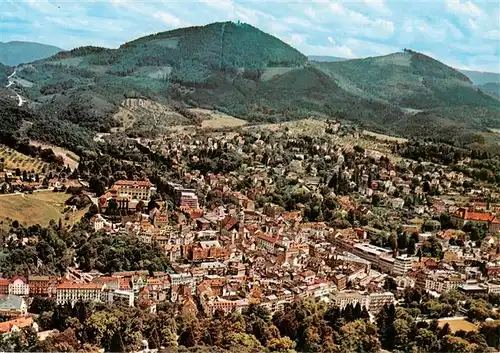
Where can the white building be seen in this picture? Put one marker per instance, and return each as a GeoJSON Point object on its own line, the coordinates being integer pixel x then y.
{"type": "Point", "coordinates": [73, 292]}
{"type": "Point", "coordinates": [19, 286]}
{"type": "Point", "coordinates": [139, 190]}
{"type": "Point", "coordinates": [342, 299]}
{"type": "Point", "coordinates": [402, 265]}
{"type": "Point", "coordinates": [177, 279]}
{"type": "Point", "coordinates": [378, 300]}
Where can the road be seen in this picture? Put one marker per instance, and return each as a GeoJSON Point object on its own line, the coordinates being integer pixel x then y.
{"type": "Point", "coordinates": [20, 99]}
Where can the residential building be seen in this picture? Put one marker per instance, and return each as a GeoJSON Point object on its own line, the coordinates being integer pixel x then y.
{"type": "Point", "coordinates": [177, 279]}
{"type": "Point", "coordinates": [342, 299]}
{"type": "Point", "coordinates": [386, 263]}
{"type": "Point", "coordinates": [206, 250]}
{"type": "Point", "coordinates": [73, 292]}
{"type": "Point", "coordinates": [370, 252]}
{"type": "Point", "coordinates": [275, 303]}
{"type": "Point", "coordinates": [378, 300]}
{"type": "Point", "coordinates": [188, 198]}
{"type": "Point", "coordinates": [17, 324]}
{"type": "Point", "coordinates": [19, 286]}
{"type": "Point", "coordinates": [463, 216]}
{"type": "Point", "coordinates": [140, 190]}
{"type": "Point", "coordinates": [4, 286]}
{"type": "Point", "coordinates": [12, 305]}
{"type": "Point", "coordinates": [402, 265]}
{"type": "Point", "coordinates": [39, 285]}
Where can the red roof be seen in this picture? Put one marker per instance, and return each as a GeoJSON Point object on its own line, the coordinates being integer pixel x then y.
{"type": "Point", "coordinates": [267, 238]}
{"type": "Point", "coordinates": [19, 323]}
{"type": "Point", "coordinates": [73, 285]}
{"type": "Point", "coordinates": [133, 183]}
{"type": "Point", "coordinates": [477, 216]}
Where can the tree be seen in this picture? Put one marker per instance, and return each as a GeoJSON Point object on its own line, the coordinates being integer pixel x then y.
{"type": "Point", "coordinates": [283, 344]}
{"type": "Point", "coordinates": [385, 323]}
{"type": "Point", "coordinates": [65, 341]}
{"type": "Point", "coordinates": [456, 345]}
{"type": "Point", "coordinates": [444, 331]}
{"type": "Point", "coordinates": [411, 247]}
{"type": "Point", "coordinates": [358, 336]}
{"type": "Point", "coordinates": [390, 284]}
{"type": "Point", "coordinates": [491, 331]}
{"type": "Point", "coordinates": [426, 341]}
{"type": "Point", "coordinates": [402, 332]}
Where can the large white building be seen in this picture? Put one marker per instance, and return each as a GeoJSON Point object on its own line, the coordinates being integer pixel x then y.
{"type": "Point", "coordinates": [72, 292]}
{"type": "Point", "coordinates": [177, 279]}
{"type": "Point", "coordinates": [342, 299]}
{"type": "Point", "coordinates": [139, 190]}
{"type": "Point", "coordinates": [443, 281]}
{"type": "Point", "coordinates": [372, 302]}
{"type": "Point", "coordinates": [379, 257]}
{"type": "Point", "coordinates": [378, 300]}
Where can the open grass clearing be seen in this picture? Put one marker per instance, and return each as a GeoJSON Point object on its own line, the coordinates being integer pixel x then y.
{"type": "Point", "coordinates": [458, 324]}
{"type": "Point", "coordinates": [37, 208]}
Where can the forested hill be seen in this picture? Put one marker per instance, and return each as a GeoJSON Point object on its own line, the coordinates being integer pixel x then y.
{"type": "Point", "coordinates": [189, 55]}
{"type": "Point", "coordinates": [238, 69]}
{"type": "Point", "coordinates": [15, 53]}
{"type": "Point", "coordinates": [482, 78]}
{"type": "Point", "coordinates": [407, 79]}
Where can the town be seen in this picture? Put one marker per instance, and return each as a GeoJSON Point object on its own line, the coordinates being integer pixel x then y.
{"type": "Point", "coordinates": [250, 216]}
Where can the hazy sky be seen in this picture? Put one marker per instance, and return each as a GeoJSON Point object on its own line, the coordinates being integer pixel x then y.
{"type": "Point", "coordinates": [463, 34]}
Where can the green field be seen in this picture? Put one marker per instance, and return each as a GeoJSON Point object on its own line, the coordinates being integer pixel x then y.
{"type": "Point", "coordinates": [457, 325]}
{"type": "Point", "coordinates": [36, 208]}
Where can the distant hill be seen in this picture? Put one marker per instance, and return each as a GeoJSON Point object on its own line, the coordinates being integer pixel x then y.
{"type": "Point", "coordinates": [491, 87]}
{"type": "Point", "coordinates": [407, 79]}
{"type": "Point", "coordinates": [481, 78]}
{"type": "Point", "coordinates": [15, 53]}
{"type": "Point", "coordinates": [325, 58]}
{"type": "Point", "coordinates": [242, 71]}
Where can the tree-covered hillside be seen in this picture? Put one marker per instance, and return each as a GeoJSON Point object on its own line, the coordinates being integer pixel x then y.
{"type": "Point", "coordinates": [15, 53]}
{"type": "Point", "coordinates": [408, 79]}
{"type": "Point", "coordinates": [242, 71]}
{"type": "Point", "coordinates": [187, 55]}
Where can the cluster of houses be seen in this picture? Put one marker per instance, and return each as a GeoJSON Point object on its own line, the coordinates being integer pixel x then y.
{"type": "Point", "coordinates": [230, 256]}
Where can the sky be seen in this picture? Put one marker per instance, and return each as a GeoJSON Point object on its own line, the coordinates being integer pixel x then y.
{"type": "Point", "coordinates": [461, 33]}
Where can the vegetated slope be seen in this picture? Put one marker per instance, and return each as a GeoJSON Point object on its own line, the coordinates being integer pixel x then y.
{"type": "Point", "coordinates": [219, 66]}
{"type": "Point", "coordinates": [491, 87]}
{"type": "Point", "coordinates": [325, 58]}
{"type": "Point", "coordinates": [187, 55]}
{"type": "Point", "coordinates": [480, 77]}
{"type": "Point", "coordinates": [408, 79]}
{"type": "Point", "coordinates": [5, 71]}
{"type": "Point", "coordinates": [15, 53]}
{"type": "Point", "coordinates": [19, 124]}
{"type": "Point", "coordinates": [86, 85]}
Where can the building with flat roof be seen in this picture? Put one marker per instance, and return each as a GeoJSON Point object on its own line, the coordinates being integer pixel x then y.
{"type": "Point", "coordinates": [370, 252]}
{"type": "Point", "coordinates": [402, 265]}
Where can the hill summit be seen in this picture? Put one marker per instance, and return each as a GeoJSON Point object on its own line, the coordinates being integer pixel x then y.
{"type": "Point", "coordinates": [239, 70]}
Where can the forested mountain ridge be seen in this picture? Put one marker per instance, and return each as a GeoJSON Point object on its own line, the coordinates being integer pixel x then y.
{"type": "Point", "coordinates": [16, 52]}
{"type": "Point", "coordinates": [242, 71]}
{"type": "Point", "coordinates": [407, 79]}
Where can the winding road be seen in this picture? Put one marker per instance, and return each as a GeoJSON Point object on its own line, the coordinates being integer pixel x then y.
{"type": "Point", "coordinates": [20, 99]}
